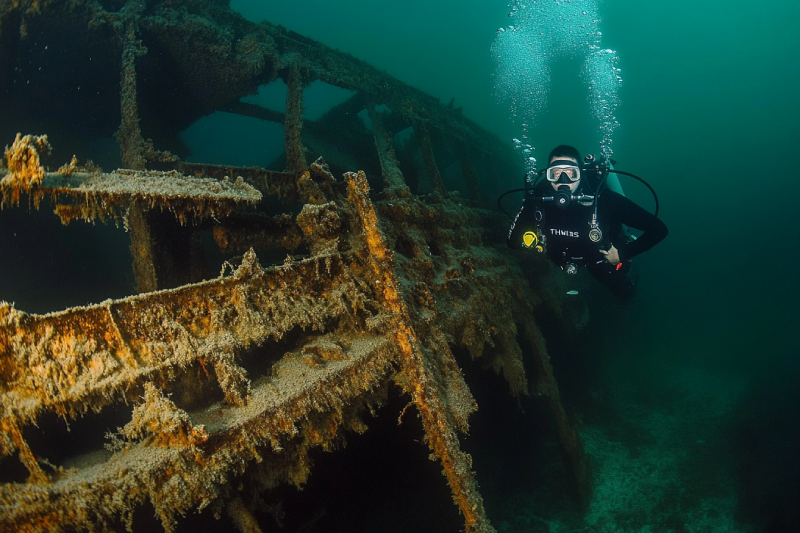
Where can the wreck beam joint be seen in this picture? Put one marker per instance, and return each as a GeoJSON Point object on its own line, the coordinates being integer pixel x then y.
{"type": "Point", "coordinates": [293, 125]}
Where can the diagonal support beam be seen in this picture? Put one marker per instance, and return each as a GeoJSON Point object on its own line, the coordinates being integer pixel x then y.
{"type": "Point", "coordinates": [440, 427]}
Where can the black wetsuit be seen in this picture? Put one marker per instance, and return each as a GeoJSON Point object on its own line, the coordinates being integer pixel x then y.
{"type": "Point", "coordinates": [567, 233]}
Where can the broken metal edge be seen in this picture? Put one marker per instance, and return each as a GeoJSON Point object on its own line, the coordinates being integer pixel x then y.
{"type": "Point", "coordinates": [88, 195]}
{"type": "Point", "coordinates": [135, 357]}
{"type": "Point", "coordinates": [176, 479]}
{"type": "Point", "coordinates": [139, 183]}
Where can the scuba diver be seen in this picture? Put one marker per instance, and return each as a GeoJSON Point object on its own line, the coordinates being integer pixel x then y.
{"type": "Point", "coordinates": [578, 220]}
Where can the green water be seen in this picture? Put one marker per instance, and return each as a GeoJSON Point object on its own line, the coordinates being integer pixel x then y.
{"type": "Point", "coordinates": [687, 397]}
{"type": "Point", "coordinates": [698, 371]}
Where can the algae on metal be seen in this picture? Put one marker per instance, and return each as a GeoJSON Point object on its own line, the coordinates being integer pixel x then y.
{"type": "Point", "coordinates": [97, 195]}
{"type": "Point", "coordinates": [88, 357]}
{"type": "Point", "coordinates": [381, 284]}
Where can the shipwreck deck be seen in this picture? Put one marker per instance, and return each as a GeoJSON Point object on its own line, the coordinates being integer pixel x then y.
{"type": "Point", "coordinates": [236, 378]}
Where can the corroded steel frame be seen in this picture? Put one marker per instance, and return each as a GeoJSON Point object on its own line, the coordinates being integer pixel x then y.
{"type": "Point", "coordinates": [386, 288]}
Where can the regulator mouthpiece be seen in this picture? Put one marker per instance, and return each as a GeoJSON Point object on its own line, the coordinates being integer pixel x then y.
{"type": "Point", "coordinates": [563, 197]}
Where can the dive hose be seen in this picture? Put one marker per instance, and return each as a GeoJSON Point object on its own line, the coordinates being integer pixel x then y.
{"type": "Point", "coordinates": [597, 190]}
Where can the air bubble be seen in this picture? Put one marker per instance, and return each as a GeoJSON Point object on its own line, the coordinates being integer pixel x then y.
{"type": "Point", "coordinates": [545, 32]}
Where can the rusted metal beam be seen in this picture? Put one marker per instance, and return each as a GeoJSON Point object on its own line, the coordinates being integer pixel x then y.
{"type": "Point", "coordinates": [242, 517]}
{"type": "Point", "coordinates": [144, 269]}
{"type": "Point", "coordinates": [428, 158]}
{"type": "Point", "coordinates": [241, 55]}
{"type": "Point", "coordinates": [129, 134]}
{"type": "Point", "coordinates": [354, 332]}
{"type": "Point", "coordinates": [268, 182]}
{"type": "Point", "coordinates": [96, 195]}
{"type": "Point", "coordinates": [254, 111]}
{"type": "Point", "coordinates": [124, 195]}
{"type": "Point", "coordinates": [88, 194]}
{"type": "Point", "coordinates": [578, 467]}
{"type": "Point", "coordinates": [470, 176]}
{"type": "Point", "coordinates": [440, 418]}
{"type": "Point", "coordinates": [89, 357]}
{"type": "Point", "coordinates": [390, 167]}
{"type": "Point", "coordinates": [173, 456]}
{"type": "Point", "coordinates": [293, 125]}
{"type": "Point", "coordinates": [361, 330]}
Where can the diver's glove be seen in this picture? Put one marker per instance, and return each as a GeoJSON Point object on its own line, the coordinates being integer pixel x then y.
{"type": "Point", "coordinates": [612, 255]}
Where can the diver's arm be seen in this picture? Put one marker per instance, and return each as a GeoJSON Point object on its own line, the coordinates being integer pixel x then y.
{"type": "Point", "coordinates": [632, 215]}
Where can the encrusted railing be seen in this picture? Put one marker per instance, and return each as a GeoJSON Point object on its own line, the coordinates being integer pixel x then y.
{"type": "Point", "coordinates": [240, 376]}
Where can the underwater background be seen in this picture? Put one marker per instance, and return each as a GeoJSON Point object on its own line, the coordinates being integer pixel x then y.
{"type": "Point", "coordinates": [687, 396]}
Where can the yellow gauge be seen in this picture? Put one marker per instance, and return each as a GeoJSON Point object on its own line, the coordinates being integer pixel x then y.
{"type": "Point", "coordinates": [529, 238]}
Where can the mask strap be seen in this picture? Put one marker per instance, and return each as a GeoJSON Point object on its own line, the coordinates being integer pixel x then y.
{"type": "Point", "coordinates": [563, 162]}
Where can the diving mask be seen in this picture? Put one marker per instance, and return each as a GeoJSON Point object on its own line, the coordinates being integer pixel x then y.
{"type": "Point", "coordinates": [563, 171]}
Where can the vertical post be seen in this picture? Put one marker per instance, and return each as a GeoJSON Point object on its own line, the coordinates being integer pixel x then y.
{"type": "Point", "coordinates": [132, 147]}
{"type": "Point", "coordinates": [141, 248]}
{"type": "Point", "coordinates": [293, 124]}
{"type": "Point", "coordinates": [10, 428]}
{"type": "Point", "coordinates": [470, 176]}
{"type": "Point", "coordinates": [428, 158]}
{"type": "Point", "coordinates": [570, 442]}
{"type": "Point", "coordinates": [129, 135]}
{"type": "Point", "coordinates": [390, 168]}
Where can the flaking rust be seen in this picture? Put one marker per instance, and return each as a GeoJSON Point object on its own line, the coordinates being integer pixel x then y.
{"type": "Point", "coordinates": [77, 194]}
{"type": "Point", "coordinates": [372, 317]}
{"type": "Point", "coordinates": [384, 281]}
{"type": "Point", "coordinates": [25, 168]}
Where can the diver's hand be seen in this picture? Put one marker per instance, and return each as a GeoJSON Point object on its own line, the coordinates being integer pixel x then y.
{"type": "Point", "coordinates": [612, 255]}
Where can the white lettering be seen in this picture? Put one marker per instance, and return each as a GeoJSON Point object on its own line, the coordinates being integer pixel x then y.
{"type": "Point", "coordinates": [565, 233]}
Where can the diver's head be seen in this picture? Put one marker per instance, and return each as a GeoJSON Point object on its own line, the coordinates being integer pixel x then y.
{"type": "Point", "coordinates": [563, 168]}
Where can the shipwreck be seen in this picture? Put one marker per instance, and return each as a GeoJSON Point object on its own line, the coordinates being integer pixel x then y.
{"type": "Point", "coordinates": [354, 267]}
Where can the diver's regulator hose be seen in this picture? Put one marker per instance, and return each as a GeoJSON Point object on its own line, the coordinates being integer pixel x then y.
{"type": "Point", "coordinates": [652, 191]}
{"type": "Point", "coordinates": [522, 189]}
